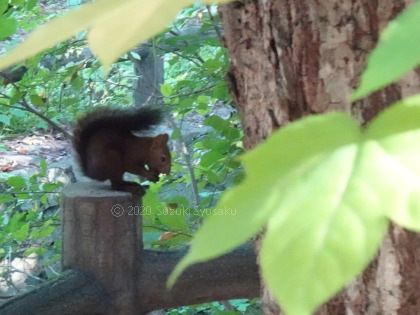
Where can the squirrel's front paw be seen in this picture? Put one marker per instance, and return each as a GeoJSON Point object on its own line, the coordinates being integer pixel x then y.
{"type": "Point", "coordinates": [152, 175]}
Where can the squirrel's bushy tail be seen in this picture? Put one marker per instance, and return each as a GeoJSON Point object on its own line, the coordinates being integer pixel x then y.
{"type": "Point", "coordinates": [132, 119]}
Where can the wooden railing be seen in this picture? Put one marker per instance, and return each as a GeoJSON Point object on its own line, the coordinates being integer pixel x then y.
{"type": "Point", "coordinates": [109, 272]}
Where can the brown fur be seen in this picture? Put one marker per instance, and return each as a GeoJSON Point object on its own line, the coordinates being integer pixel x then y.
{"type": "Point", "coordinates": [107, 148]}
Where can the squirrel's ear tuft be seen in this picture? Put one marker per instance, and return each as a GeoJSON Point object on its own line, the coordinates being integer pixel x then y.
{"type": "Point", "coordinates": [161, 139]}
{"type": "Point", "coordinates": [165, 137]}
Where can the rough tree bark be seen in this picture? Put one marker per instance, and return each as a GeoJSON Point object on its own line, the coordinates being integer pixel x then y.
{"type": "Point", "coordinates": [295, 58]}
{"type": "Point", "coordinates": [150, 75]}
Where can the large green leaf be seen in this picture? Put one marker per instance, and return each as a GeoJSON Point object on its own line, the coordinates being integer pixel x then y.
{"type": "Point", "coordinates": [3, 7]}
{"type": "Point", "coordinates": [22, 233]}
{"type": "Point", "coordinates": [115, 27]}
{"type": "Point", "coordinates": [324, 232]}
{"type": "Point", "coordinates": [243, 210]}
{"type": "Point", "coordinates": [393, 167]}
{"type": "Point", "coordinates": [150, 207]}
{"type": "Point", "coordinates": [16, 181]}
{"type": "Point", "coordinates": [7, 27]}
{"type": "Point", "coordinates": [175, 219]}
{"type": "Point", "coordinates": [324, 189]}
{"type": "Point", "coordinates": [398, 51]}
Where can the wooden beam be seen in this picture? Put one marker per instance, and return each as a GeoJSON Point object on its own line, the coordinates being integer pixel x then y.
{"type": "Point", "coordinates": [73, 292]}
{"type": "Point", "coordinates": [232, 276]}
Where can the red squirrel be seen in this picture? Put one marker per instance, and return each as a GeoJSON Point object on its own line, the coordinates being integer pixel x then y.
{"type": "Point", "coordinates": [107, 148]}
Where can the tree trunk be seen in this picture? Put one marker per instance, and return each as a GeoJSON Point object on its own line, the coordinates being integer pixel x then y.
{"type": "Point", "coordinates": [295, 58]}
{"type": "Point", "coordinates": [150, 76]}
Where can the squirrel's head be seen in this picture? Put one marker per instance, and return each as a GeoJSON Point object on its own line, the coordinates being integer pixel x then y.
{"type": "Point", "coordinates": [160, 156]}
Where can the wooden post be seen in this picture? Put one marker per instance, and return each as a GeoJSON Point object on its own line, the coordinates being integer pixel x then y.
{"type": "Point", "coordinates": [102, 236]}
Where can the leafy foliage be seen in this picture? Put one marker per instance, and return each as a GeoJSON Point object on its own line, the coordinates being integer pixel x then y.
{"type": "Point", "coordinates": [28, 218]}
{"type": "Point", "coordinates": [397, 52]}
{"type": "Point", "coordinates": [128, 22]}
{"type": "Point", "coordinates": [336, 189]}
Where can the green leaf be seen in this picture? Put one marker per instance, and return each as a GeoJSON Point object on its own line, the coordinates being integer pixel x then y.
{"type": "Point", "coordinates": [216, 122]}
{"type": "Point", "coordinates": [397, 52]}
{"type": "Point", "coordinates": [3, 6]}
{"type": "Point", "coordinates": [77, 83]}
{"type": "Point", "coordinates": [212, 177]}
{"type": "Point", "coordinates": [215, 144]}
{"type": "Point", "coordinates": [244, 215]}
{"type": "Point", "coordinates": [220, 91]}
{"type": "Point", "coordinates": [176, 134]}
{"type": "Point", "coordinates": [325, 203]}
{"type": "Point", "coordinates": [22, 233]}
{"type": "Point", "coordinates": [222, 125]}
{"type": "Point", "coordinates": [210, 157]}
{"type": "Point", "coordinates": [391, 140]}
{"type": "Point", "coordinates": [49, 187]}
{"type": "Point", "coordinates": [43, 164]}
{"type": "Point", "coordinates": [57, 246]}
{"type": "Point", "coordinates": [212, 41]}
{"type": "Point", "coordinates": [5, 198]}
{"type": "Point", "coordinates": [186, 103]}
{"type": "Point", "coordinates": [127, 22]}
{"type": "Point", "coordinates": [7, 27]}
{"type": "Point", "coordinates": [38, 251]}
{"type": "Point", "coordinates": [19, 3]}
{"type": "Point", "coordinates": [22, 195]}
{"type": "Point", "coordinates": [212, 65]}
{"type": "Point", "coordinates": [202, 100]}
{"type": "Point", "coordinates": [175, 219]}
{"type": "Point", "coordinates": [31, 4]}
{"type": "Point", "coordinates": [14, 99]}
{"type": "Point", "coordinates": [37, 100]}
{"type": "Point", "coordinates": [16, 222]}
{"type": "Point", "coordinates": [44, 199]}
{"type": "Point", "coordinates": [43, 231]}
{"type": "Point", "coordinates": [167, 90]}
{"type": "Point", "coordinates": [325, 230]}
{"type": "Point", "coordinates": [33, 179]}
{"type": "Point", "coordinates": [30, 216]}
{"type": "Point", "coordinates": [151, 206]}
{"type": "Point", "coordinates": [16, 182]}
{"type": "Point", "coordinates": [4, 119]}
{"type": "Point", "coordinates": [135, 55]}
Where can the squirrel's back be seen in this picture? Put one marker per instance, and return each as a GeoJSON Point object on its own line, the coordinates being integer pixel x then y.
{"type": "Point", "coordinates": [114, 120]}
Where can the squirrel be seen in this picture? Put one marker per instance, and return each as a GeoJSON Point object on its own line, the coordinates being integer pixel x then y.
{"type": "Point", "coordinates": [107, 148]}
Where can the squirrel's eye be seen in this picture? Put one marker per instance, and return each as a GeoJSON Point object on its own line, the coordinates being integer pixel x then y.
{"type": "Point", "coordinates": [162, 158]}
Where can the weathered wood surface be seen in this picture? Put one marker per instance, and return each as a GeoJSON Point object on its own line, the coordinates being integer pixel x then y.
{"type": "Point", "coordinates": [101, 238]}
{"type": "Point", "coordinates": [72, 293]}
{"type": "Point", "coordinates": [231, 276]}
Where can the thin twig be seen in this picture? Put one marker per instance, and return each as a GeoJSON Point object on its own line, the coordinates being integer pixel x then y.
{"type": "Point", "coordinates": [32, 110]}
{"type": "Point", "coordinates": [165, 230]}
{"type": "Point", "coordinates": [184, 151]}
{"type": "Point", "coordinates": [181, 55]}
{"type": "Point", "coordinates": [216, 29]}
